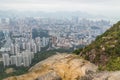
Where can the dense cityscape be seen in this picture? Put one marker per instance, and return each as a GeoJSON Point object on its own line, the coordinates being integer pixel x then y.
{"type": "Point", "coordinates": [59, 40]}
{"type": "Point", "coordinates": [23, 37]}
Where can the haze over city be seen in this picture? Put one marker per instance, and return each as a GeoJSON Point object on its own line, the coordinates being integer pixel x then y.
{"type": "Point", "coordinates": [108, 8]}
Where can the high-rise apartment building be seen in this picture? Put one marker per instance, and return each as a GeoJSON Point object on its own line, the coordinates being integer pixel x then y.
{"type": "Point", "coordinates": [6, 61]}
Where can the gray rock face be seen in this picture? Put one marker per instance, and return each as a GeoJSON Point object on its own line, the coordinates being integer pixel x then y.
{"type": "Point", "coordinates": [105, 75]}
{"type": "Point", "coordinates": [50, 76]}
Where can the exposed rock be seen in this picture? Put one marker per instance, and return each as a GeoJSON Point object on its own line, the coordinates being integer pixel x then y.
{"type": "Point", "coordinates": [66, 67]}
{"type": "Point", "coordinates": [58, 67]}
{"type": "Point", "coordinates": [105, 75]}
{"type": "Point", "coordinates": [50, 76]}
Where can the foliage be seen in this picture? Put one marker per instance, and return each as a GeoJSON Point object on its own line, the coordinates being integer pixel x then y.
{"type": "Point", "coordinates": [113, 64]}
{"type": "Point", "coordinates": [39, 33]}
{"type": "Point", "coordinates": [2, 37]}
{"type": "Point", "coordinates": [77, 51]}
{"type": "Point", "coordinates": [17, 71]}
{"type": "Point", "coordinates": [106, 45]}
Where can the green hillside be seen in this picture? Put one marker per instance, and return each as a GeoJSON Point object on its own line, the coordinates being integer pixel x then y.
{"type": "Point", "coordinates": [105, 50]}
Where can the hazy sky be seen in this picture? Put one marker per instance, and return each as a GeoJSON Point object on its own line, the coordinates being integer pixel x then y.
{"type": "Point", "coordinates": [100, 7]}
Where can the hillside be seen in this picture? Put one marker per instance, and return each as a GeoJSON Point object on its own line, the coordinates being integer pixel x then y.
{"type": "Point", "coordinates": [105, 50]}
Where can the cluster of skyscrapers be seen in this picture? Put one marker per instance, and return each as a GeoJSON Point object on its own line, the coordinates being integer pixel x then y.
{"type": "Point", "coordinates": [22, 51]}
{"type": "Point", "coordinates": [21, 59]}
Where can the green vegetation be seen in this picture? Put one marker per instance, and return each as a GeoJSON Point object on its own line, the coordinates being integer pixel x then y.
{"type": "Point", "coordinates": [17, 71]}
{"type": "Point", "coordinates": [113, 64]}
{"type": "Point", "coordinates": [105, 50]}
{"type": "Point", "coordinates": [77, 51]}
{"type": "Point", "coordinates": [39, 33]}
{"type": "Point", "coordinates": [2, 37]}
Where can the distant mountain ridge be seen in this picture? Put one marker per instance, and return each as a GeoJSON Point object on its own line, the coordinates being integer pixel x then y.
{"type": "Point", "coordinates": [59, 14]}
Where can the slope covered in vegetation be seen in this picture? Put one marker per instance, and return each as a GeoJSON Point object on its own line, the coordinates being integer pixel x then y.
{"type": "Point", "coordinates": [105, 50]}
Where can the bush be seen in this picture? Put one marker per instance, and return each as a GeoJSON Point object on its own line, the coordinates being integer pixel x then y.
{"type": "Point", "coordinates": [113, 64]}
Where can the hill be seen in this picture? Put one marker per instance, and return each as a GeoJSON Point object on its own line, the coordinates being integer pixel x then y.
{"type": "Point", "coordinates": [105, 50]}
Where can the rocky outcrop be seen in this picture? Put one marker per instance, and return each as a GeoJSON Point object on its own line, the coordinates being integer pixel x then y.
{"type": "Point", "coordinates": [66, 67]}
{"type": "Point", "coordinates": [107, 76]}
{"type": "Point", "coordinates": [52, 75]}
{"type": "Point", "coordinates": [58, 67]}
{"type": "Point", "coordinates": [104, 75]}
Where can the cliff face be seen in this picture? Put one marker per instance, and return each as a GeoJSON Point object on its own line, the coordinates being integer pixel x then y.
{"type": "Point", "coordinates": [58, 67]}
